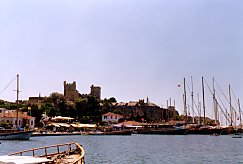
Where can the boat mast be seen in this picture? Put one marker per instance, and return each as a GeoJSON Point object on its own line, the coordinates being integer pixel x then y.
{"type": "Point", "coordinates": [218, 114]}
{"type": "Point", "coordinates": [204, 120]}
{"type": "Point", "coordinates": [231, 110]}
{"type": "Point", "coordinates": [193, 119]}
{"type": "Point", "coordinates": [17, 110]}
{"type": "Point", "coordinates": [185, 110]}
{"type": "Point", "coordinates": [215, 105]}
{"type": "Point", "coordinates": [235, 119]}
{"type": "Point", "coordinates": [240, 113]}
{"type": "Point", "coordinates": [199, 110]}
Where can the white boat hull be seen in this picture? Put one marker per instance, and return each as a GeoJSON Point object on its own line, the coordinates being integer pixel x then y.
{"type": "Point", "coordinates": [16, 136]}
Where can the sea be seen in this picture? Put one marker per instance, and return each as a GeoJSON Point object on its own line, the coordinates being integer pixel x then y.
{"type": "Point", "coordinates": [144, 149]}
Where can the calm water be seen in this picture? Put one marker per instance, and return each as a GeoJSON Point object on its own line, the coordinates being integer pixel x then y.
{"type": "Point", "coordinates": [139, 149]}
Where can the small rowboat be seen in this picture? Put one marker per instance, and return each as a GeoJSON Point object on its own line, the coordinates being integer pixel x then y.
{"type": "Point", "coordinates": [72, 153]}
{"type": "Point", "coordinates": [237, 135]}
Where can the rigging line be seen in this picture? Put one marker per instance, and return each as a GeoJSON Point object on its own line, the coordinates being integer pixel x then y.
{"type": "Point", "coordinates": [192, 109]}
{"type": "Point", "coordinates": [221, 102]}
{"type": "Point", "coordinates": [225, 114]}
{"type": "Point", "coordinates": [188, 87]}
{"type": "Point", "coordinates": [222, 92]}
{"type": "Point", "coordinates": [234, 95]}
{"type": "Point", "coordinates": [208, 87]}
{"type": "Point", "coordinates": [193, 99]}
{"type": "Point", "coordinates": [210, 90]}
{"type": "Point", "coordinates": [7, 85]}
{"type": "Point", "coordinates": [225, 96]}
{"type": "Point", "coordinates": [238, 114]}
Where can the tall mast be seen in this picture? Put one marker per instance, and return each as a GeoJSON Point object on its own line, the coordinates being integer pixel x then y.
{"type": "Point", "coordinates": [215, 105]}
{"type": "Point", "coordinates": [231, 110]}
{"type": "Point", "coordinates": [240, 113]}
{"type": "Point", "coordinates": [199, 110]}
{"type": "Point", "coordinates": [204, 120]}
{"type": "Point", "coordinates": [235, 119]}
{"type": "Point", "coordinates": [193, 118]}
{"type": "Point", "coordinates": [17, 111]}
{"type": "Point", "coordinates": [185, 110]}
{"type": "Point", "coordinates": [217, 109]}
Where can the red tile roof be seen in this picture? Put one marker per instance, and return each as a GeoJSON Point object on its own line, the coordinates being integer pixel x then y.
{"type": "Point", "coordinates": [111, 114]}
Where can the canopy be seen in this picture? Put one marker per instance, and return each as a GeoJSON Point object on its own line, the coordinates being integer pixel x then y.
{"type": "Point", "coordinates": [62, 118]}
{"type": "Point", "coordinates": [59, 124]}
{"type": "Point", "coordinates": [88, 125]}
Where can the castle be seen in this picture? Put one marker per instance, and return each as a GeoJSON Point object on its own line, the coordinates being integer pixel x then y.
{"type": "Point", "coordinates": [71, 93]}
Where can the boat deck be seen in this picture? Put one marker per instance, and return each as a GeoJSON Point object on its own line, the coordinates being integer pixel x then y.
{"type": "Point", "coordinates": [65, 153]}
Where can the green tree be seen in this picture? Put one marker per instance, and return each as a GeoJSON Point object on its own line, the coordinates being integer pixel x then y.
{"type": "Point", "coordinates": [36, 112]}
{"type": "Point", "coordinates": [81, 107]}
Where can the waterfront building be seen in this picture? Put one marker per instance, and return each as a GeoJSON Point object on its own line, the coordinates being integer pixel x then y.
{"type": "Point", "coordinates": [36, 100]}
{"type": "Point", "coordinates": [111, 117]}
{"type": "Point", "coordinates": [10, 116]}
{"type": "Point", "coordinates": [145, 111]}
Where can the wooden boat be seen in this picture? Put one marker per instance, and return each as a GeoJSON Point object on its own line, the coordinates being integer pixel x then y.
{"type": "Point", "coordinates": [207, 131]}
{"type": "Point", "coordinates": [9, 134]}
{"type": "Point", "coordinates": [23, 160]}
{"type": "Point", "coordinates": [72, 153]}
{"type": "Point", "coordinates": [160, 129]}
{"type": "Point", "coordinates": [237, 135]}
{"type": "Point", "coordinates": [115, 132]}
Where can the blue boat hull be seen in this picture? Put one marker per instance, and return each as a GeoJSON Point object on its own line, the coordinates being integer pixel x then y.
{"type": "Point", "coordinates": [16, 136]}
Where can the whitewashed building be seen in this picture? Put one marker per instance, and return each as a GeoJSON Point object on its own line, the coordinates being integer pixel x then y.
{"type": "Point", "coordinates": [10, 116]}
{"type": "Point", "coordinates": [111, 117]}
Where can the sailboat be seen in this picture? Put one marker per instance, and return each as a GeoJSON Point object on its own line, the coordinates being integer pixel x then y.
{"type": "Point", "coordinates": [205, 129]}
{"type": "Point", "coordinates": [15, 134]}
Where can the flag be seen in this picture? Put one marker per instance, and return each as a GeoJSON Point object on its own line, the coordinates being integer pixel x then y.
{"type": "Point", "coordinates": [29, 108]}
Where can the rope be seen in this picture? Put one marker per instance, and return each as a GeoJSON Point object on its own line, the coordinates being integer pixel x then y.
{"type": "Point", "coordinates": [7, 85]}
{"type": "Point", "coordinates": [195, 104]}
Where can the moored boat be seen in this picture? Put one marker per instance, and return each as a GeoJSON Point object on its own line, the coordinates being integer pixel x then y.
{"type": "Point", "coordinates": [72, 153]}
{"type": "Point", "coordinates": [17, 132]}
{"type": "Point", "coordinates": [237, 135]}
{"type": "Point", "coordinates": [9, 134]}
{"type": "Point", "coordinates": [160, 129]}
{"type": "Point", "coordinates": [207, 131]}
{"type": "Point", "coordinates": [114, 132]}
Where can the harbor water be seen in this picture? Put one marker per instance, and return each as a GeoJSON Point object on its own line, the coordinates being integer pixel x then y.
{"type": "Point", "coordinates": [144, 149]}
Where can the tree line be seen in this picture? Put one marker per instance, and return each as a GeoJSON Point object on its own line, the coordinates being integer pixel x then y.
{"type": "Point", "coordinates": [86, 109]}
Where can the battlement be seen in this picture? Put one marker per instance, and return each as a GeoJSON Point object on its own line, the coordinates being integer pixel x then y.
{"type": "Point", "coordinates": [95, 91]}
{"type": "Point", "coordinates": [70, 92]}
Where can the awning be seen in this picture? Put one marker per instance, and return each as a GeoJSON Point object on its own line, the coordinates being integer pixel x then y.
{"type": "Point", "coordinates": [64, 125]}
{"type": "Point", "coordinates": [54, 124]}
{"type": "Point", "coordinates": [62, 118]}
{"type": "Point", "coordinates": [88, 125]}
{"type": "Point", "coordinates": [76, 125]}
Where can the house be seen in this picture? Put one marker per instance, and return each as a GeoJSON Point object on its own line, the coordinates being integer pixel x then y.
{"type": "Point", "coordinates": [10, 116]}
{"type": "Point", "coordinates": [111, 117]}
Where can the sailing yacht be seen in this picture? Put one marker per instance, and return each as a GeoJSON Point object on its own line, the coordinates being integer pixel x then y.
{"type": "Point", "coordinates": [15, 134]}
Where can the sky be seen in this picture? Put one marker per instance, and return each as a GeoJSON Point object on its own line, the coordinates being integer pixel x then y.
{"type": "Point", "coordinates": [132, 49]}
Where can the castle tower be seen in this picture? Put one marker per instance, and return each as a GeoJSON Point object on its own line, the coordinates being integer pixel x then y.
{"type": "Point", "coordinates": [70, 92]}
{"type": "Point", "coordinates": [95, 91]}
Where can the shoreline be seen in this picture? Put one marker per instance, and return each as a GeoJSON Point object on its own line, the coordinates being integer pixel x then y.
{"type": "Point", "coordinates": [36, 134]}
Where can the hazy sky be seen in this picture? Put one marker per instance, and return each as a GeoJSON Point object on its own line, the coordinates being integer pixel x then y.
{"type": "Point", "coordinates": [131, 48]}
